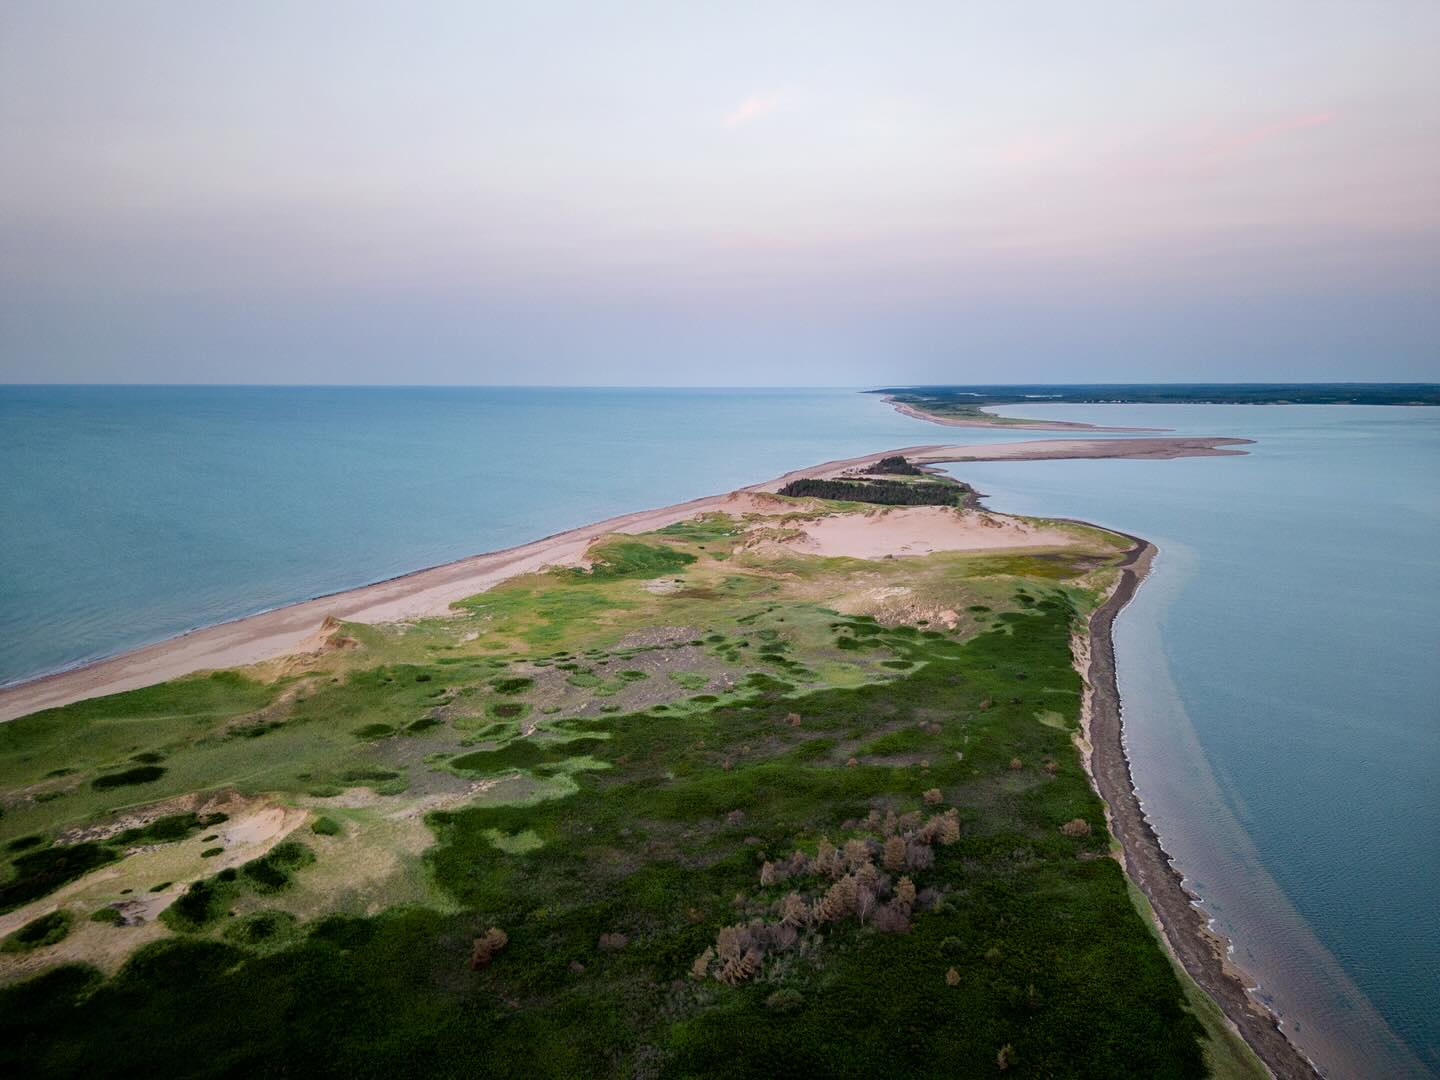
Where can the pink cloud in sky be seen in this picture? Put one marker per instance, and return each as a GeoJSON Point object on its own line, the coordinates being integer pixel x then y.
{"type": "Point", "coordinates": [1199, 150]}
{"type": "Point", "coordinates": [1224, 147]}
{"type": "Point", "coordinates": [753, 106]}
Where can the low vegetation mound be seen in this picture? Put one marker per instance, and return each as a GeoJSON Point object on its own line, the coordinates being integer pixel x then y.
{"type": "Point", "coordinates": [38, 933]}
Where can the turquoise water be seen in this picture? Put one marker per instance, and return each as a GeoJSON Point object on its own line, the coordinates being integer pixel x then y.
{"type": "Point", "coordinates": [131, 514]}
{"type": "Point", "coordinates": [1280, 673]}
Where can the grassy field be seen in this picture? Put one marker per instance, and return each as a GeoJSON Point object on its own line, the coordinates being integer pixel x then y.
{"type": "Point", "coordinates": [730, 810]}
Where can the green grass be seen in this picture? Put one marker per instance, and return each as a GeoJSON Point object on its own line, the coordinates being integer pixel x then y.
{"type": "Point", "coordinates": [618, 559]}
{"type": "Point", "coordinates": [647, 814]}
{"type": "Point", "coordinates": [38, 933]}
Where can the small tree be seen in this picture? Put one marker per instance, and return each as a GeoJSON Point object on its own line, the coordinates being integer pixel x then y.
{"type": "Point", "coordinates": [864, 904]}
{"type": "Point", "coordinates": [905, 893]}
{"type": "Point", "coordinates": [794, 911]}
{"type": "Point", "coordinates": [701, 967]}
{"type": "Point", "coordinates": [949, 827]}
{"type": "Point", "coordinates": [486, 946]}
{"type": "Point", "coordinates": [894, 855]}
{"type": "Point", "coordinates": [1076, 827]}
{"type": "Point", "coordinates": [857, 853]}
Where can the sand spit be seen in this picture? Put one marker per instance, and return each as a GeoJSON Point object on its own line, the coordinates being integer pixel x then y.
{"type": "Point", "coordinates": [1008, 422]}
{"type": "Point", "coordinates": [430, 592]}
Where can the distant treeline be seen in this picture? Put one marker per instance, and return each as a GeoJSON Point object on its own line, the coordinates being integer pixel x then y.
{"type": "Point", "coordinates": [971, 397]}
{"type": "Point", "coordinates": [883, 492]}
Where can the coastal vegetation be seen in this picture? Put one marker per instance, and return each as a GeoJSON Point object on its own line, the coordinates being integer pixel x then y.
{"type": "Point", "coordinates": [879, 486]}
{"type": "Point", "coordinates": [880, 492]}
{"type": "Point", "coordinates": [709, 806]}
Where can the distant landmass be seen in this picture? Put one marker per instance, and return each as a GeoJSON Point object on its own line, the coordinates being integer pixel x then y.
{"type": "Point", "coordinates": [933, 398]}
{"type": "Point", "coordinates": [962, 406]}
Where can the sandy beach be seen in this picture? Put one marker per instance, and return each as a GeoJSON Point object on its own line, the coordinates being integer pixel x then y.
{"type": "Point", "coordinates": [1008, 422]}
{"type": "Point", "coordinates": [430, 592]}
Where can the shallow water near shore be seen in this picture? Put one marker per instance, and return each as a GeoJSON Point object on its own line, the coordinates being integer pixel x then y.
{"type": "Point", "coordinates": [132, 514]}
{"type": "Point", "coordinates": [1282, 700]}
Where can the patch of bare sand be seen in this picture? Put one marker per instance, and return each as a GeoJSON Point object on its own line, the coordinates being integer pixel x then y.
{"type": "Point", "coordinates": [918, 530]}
{"type": "Point", "coordinates": [256, 825]}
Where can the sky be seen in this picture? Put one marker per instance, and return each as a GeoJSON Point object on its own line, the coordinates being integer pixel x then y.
{"type": "Point", "coordinates": [339, 191]}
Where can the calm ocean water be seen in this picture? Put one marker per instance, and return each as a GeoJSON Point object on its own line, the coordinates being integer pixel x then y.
{"type": "Point", "coordinates": [1280, 673]}
{"type": "Point", "coordinates": [1279, 670]}
{"type": "Point", "coordinates": [131, 514]}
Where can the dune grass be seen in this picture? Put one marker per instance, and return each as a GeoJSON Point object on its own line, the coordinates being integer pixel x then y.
{"type": "Point", "coordinates": [613, 824]}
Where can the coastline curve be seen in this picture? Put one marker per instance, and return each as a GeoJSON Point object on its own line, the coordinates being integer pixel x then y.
{"type": "Point", "coordinates": [1182, 922]}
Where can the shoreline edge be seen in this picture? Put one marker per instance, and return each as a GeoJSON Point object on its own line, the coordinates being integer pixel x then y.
{"type": "Point", "coordinates": [1183, 926]}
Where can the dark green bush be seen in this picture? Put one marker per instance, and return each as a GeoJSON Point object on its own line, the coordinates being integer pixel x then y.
{"type": "Point", "coordinates": [38, 933]}
{"type": "Point", "coordinates": [141, 774]}
{"type": "Point", "coordinates": [39, 873]}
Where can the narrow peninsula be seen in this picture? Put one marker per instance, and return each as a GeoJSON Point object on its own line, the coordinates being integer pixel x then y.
{"type": "Point", "coordinates": [798, 780]}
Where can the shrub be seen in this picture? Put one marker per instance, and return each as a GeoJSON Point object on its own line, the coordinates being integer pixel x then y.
{"type": "Point", "coordinates": [326, 826]}
{"type": "Point", "coordinates": [1076, 827]}
{"type": "Point", "coordinates": [106, 914]}
{"type": "Point", "coordinates": [485, 947]}
{"type": "Point", "coordinates": [952, 977]}
{"type": "Point", "coordinates": [261, 927]}
{"type": "Point", "coordinates": [613, 942]}
{"type": "Point", "coordinates": [894, 856]}
{"type": "Point", "coordinates": [784, 1001]}
{"type": "Point", "coordinates": [39, 873]}
{"type": "Point", "coordinates": [701, 966]}
{"type": "Point", "coordinates": [38, 933]}
{"type": "Point", "coordinates": [373, 731]}
{"type": "Point", "coordinates": [202, 903]}
{"type": "Point", "coordinates": [933, 797]}
{"type": "Point", "coordinates": [512, 686]}
{"type": "Point", "coordinates": [632, 558]}
{"type": "Point", "coordinates": [210, 853]}
{"type": "Point", "coordinates": [271, 872]}
{"type": "Point", "coordinates": [141, 774]}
